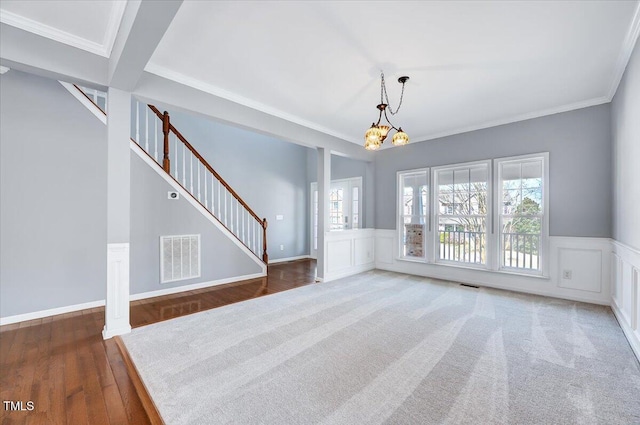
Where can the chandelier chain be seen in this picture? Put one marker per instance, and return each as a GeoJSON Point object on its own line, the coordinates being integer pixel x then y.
{"type": "Point", "coordinates": [384, 96]}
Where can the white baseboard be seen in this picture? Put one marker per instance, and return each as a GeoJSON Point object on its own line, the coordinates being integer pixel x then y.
{"type": "Point", "coordinates": [49, 312]}
{"type": "Point", "coordinates": [192, 287]}
{"type": "Point", "coordinates": [587, 257]}
{"type": "Point", "coordinates": [348, 272]}
{"type": "Point", "coordinates": [284, 260]}
{"type": "Point", "coordinates": [133, 297]}
{"type": "Point", "coordinates": [634, 342]}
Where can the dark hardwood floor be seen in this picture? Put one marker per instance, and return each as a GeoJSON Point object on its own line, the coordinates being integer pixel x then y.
{"type": "Point", "coordinates": [72, 376]}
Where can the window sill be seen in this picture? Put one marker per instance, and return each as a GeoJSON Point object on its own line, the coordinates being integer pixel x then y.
{"type": "Point", "coordinates": [479, 269]}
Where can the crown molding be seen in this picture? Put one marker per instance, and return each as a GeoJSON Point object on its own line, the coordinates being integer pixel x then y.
{"type": "Point", "coordinates": [113, 26]}
{"type": "Point", "coordinates": [241, 100]}
{"type": "Point", "coordinates": [625, 52]}
{"type": "Point", "coordinates": [516, 118]}
{"type": "Point", "coordinates": [29, 25]}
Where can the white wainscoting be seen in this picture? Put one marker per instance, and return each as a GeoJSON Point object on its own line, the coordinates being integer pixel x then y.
{"type": "Point", "coordinates": [586, 258]}
{"type": "Point", "coordinates": [625, 291]}
{"type": "Point", "coordinates": [117, 303]}
{"type": "Point", "coordinates": [349, 252]}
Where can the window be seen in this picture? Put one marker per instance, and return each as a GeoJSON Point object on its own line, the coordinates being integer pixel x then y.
{"type": "Point", "coordinates": [522, 216]}
{"type": "Point", "coordinates": [336, 216]}
{"type": "Point", "coordinates": [486, 214]}
{"type": "Point", "coordinates": [462, 211]}
{"type": "Point", "coordinates": [414, 213]}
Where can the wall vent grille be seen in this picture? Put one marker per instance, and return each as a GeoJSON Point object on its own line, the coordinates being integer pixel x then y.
{"type": "Point", "coordinates": [179, 257]}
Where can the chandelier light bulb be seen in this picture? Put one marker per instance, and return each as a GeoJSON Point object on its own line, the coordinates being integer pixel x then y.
{"type": "Point", "coordinates": [400, 138]}
{"type": "Point", "coordinates": [372, 138]}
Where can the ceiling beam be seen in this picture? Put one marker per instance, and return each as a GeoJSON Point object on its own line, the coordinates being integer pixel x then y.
{"type": "Point", "coordinates": [143, 25]}
{"type": "Point", "coordinates": [165, 93]}
{"type": "Point", "coordinates": [28, 52]}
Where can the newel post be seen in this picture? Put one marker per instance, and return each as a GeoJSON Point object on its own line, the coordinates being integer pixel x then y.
{"type": "Point", "coordinates": [265, 256]}
{"type": "Point", "coordinates": [165, 129]}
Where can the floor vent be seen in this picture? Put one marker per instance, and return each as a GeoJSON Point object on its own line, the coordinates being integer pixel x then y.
{"type": "Point", "coordinates": [469, 286]}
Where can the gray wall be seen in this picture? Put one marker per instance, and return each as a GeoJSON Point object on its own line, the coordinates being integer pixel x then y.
{"type": "Point", "coordinates": [153, 215]}
{"type": "Point", "coordinates": [52, 197]}
{"type": "Point", "coordinates": [625, 131]}
{"type": "Point", "coordinates": [579, 146]}
{"type": "Point", "coordinates": [269, 174]}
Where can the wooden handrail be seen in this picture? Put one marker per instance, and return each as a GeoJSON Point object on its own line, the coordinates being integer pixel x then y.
{"type": "Point", "coordinates": [206, 164]}
{"type": "Point", "coordinates": [265, 256]}
{"type": "Point", "coordinates": [166, 127]}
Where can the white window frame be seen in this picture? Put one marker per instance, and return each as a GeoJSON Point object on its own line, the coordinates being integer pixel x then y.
{"type": "Point", "coordinates": [494, 200]}
{"type": "Point", "coordinates": [399, 216]}
{"type": "Point", "coordinates": [544, 232]}
{"type": "Point", "coordinates": [435, 241]}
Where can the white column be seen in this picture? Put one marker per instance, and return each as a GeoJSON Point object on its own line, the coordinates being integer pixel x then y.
{"type": "Point", "coordinates": [118, 213]}
{"type": "Point", "coordinates": [324, 185]}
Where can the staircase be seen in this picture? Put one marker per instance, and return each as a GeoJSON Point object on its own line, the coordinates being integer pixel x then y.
{"type": "Point", "coordinates": [174, 155]}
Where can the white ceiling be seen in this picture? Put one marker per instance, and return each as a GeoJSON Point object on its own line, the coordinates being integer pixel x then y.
{"type": "Point", "coordinates": [88, 25]}
{"type": "Point", "coordinates": [472, 64]}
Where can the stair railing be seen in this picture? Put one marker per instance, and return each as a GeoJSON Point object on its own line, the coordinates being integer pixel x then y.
{"type": "Point", "coordinates": [191, 171]}
{"type": "Point", "coordinates": [183, 162]}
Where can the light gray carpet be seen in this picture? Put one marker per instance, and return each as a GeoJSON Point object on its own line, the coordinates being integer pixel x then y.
{"type": "Point", "coordinates": [389, 348]}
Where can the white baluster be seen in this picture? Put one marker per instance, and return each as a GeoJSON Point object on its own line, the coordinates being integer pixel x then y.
{"type": "Point", "coordinates": [191, 171]}
{"type": "Point", "coordinates": [198, 170]}
{"type": "Point", "coordinates": [175, 154]}
{"type": "Point", "coordinates": [184, 167]}
{"type": "Point", "coordinates": [155, 153]}
{"type": "Point", "coordinates": [206, 193]}
{"type": "Point", "coordinates": [137, 122]}
{"type": "Point", "coordinates": [146, 129]}
{"type": "Point", "coordinates": [225, 207]}
{"type": "Point", "coordinates": [219, 204]}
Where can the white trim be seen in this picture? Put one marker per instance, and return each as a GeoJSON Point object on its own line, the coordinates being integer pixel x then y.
{"type": "Point", "coordinates": [85, 101]}
{"type": "Point", "coordinates": [117, 303]}
{"type": "Point", "coordinates": [192, 287]}
{"type": "Point", "coordinates": [516, 118]}
{"type": "Point", "coordinates": [625, 53]}
{"type": "Point", "coordinates": [49, 312]}
{"type": "Point", "coordinates": [133, 297]}
{"type": "Point", "coordinates": [52, 33]}
{"type": "Point", "coordinates": [348, 272]}
{"type": "Point", "coordinates": [547, 286]}
{"type": "Point", "coordinates": [4, 69]}
{"type": "Point", "coordinates": [189, 198]}
{"type": "Point", "coordinates": [625, 291]}
{"type": "Point", "coordinates": [241, 100]}
{"type": "Point", "coordinates": [634, 342]}
{"type": "Point", "coordinates": [544, 249]}
{"type": "Point", "coordinates": [113, 26]}
{"type": "Point", "coordinates": [284, 260]}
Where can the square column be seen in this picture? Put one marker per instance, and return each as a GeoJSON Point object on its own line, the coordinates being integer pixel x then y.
{"type": "Point", "coordinates": [324, 186]}
{"type": "Point", "coordinates": [118, 213]}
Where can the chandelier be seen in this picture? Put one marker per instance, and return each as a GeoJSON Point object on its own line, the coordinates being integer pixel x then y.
{"type": "Point", "coordinates": [376, 134]}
